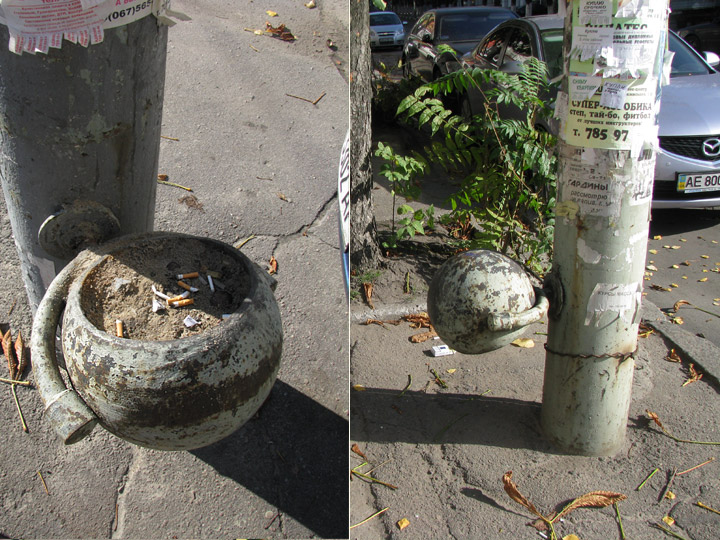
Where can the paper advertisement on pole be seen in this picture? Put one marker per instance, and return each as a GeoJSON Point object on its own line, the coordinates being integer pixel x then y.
{"type": "Point", "coordinates": [613, 74]}
{"type": "Point", "coordinates": [38, 25]}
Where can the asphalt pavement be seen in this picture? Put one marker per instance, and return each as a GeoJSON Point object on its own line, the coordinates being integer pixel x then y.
{"type": "Point", "coordinates": [254, 125]}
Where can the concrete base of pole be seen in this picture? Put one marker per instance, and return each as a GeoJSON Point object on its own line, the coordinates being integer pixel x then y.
{"type": "Point", "coordinates": [81, 125]}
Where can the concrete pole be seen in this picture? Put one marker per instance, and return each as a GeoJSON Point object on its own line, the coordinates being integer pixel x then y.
{"type": "Point", "coordinates": [606, 152]}
{"type": "Point", "coordinates": [80, 139]}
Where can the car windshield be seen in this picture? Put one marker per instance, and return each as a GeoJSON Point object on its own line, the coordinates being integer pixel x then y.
{"type": "Point", "coordinates": [685, 62]}
{"type": "Point", "coordinates": [469, 26]}
{"type": "Point", "coordinates": [552, 41]}
{"type": "Point", "coordinates": [384, 19]}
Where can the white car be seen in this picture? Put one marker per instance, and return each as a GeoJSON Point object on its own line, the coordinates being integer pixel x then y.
{"type": "Point", "coordinates": [386, 30]}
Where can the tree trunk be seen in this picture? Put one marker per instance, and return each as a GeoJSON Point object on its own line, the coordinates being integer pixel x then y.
{"type": "Point", "coordinates": [364, 248]}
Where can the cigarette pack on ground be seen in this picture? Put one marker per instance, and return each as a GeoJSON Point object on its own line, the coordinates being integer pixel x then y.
{"type": "Point", "coordinates": [442, 350]}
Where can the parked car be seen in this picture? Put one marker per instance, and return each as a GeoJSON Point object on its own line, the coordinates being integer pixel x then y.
{"type": "Point", "coordinates": [386, 30]}
{"type": "Point", "coordinates": [704, 36]}
{"type": "Point", "coordinates": [460, 28]}
{"type": "Point", "coordinates": [689, 123]}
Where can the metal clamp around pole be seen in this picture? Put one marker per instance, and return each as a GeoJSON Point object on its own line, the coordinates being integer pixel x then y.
{"type": "Point", "coordinates": [503, 321]}
{"type": "Point", "coordinates": [71, 418]}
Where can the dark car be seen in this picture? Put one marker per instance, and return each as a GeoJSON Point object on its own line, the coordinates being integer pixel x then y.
{"type": "Point", "coordinates": [460, 28]}
{"type": "Point", "coordinates": [703, 36]}
{"type": "Point", "coordinates": [689, 128]}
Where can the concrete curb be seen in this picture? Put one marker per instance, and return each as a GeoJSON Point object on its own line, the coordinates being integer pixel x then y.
{"type": "Point", "coordinates": [700, 351]}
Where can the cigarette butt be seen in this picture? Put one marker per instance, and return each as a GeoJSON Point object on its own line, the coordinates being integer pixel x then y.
{"type": "Point", "coordinates": [170, 301]}
{"type": "Point", "coordinates": [161, 295]}
{"type": "Point", "coordinates": [119, 328]}
{"type": "Point", "coordinates": [187, 287]}
{"type": "Point", "coordinates": [185, 302]}
{"type": "Point", "coordinates": [186, 294]}
{"type": "Point", "coordinates": [188, 275]}
{"type": "Point", "coordinates": [210, 283]}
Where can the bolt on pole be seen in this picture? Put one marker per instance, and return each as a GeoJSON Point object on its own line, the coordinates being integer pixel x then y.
{"type": "Point", "coordinates": [80, 140]}
{"type": "Point", "coordinates": [607, 108]}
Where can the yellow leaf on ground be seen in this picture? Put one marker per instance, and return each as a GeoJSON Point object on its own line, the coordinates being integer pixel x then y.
{"type": "Point", "coordinates": [704, 256]}
{"type": "Point", "coordinates": [524, 343]}
{"type": "Point", "coordinates": [653, 251]}
{"type": "Point", "coordinates": [403, 523]}
{"type": "Point", "coordinates": [657, 237]}
{"type": "Point", "coordinates": [678, 320]}
{"type": "Point", "coordinates": [452, 370]}
{"type": "Point", "coordinates": [571, 537]}
{"type": "Point", "coordinates": [358, 388]}
{"type": "Point", "coordinates": [670, 521]}
{"type": "Point", "coordinates": [702, 280]}
{"type": "Point", "coordinates": [670, 495]}
{"type": "Point", "coordinates": [271, 13]}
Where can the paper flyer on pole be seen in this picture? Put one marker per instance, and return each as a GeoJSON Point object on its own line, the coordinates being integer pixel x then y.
{"type": "Point", "coordinates": [614, 76]}
{"type": "Point", "coordinates": [38, 25]}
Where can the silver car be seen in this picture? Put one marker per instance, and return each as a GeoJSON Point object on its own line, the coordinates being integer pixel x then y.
{"type": "Point", "coordinates": [687, 169]}
{"type": "Point", "coordinates": [386, 30]}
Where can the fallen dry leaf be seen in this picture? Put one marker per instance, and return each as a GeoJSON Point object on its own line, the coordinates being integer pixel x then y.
{"type": "Point", "coordinates": [695, 375]}
{"type": "Point", "coordinates": [673, 356]}
{"type": "Point", "coordinates": [418, 320]}
{"type": "Point", "coordinates": [660, 287]}
{"type": "Point", "coordinates": [21, 356]}
{"type": "Point", "coordinates": [9, 354]}
{"type": "Point", "coordinates": [571, 537]}
{"type": "Point", "coordinates": [271, 13]}
{"type": "Point", "coordinates": [403, 523]}
{"type": "Point", "coordinates": [670, 495]}
{"type": "Point", "coordinates": [273, 265]}
{"type": "Point", "coordinates": [513, 492]}
{"type": "Point", "coordinates": [668, 520]}
{"type": "Point", "coordinates": [358, 387]}
{"type": "Point", "coordinates": [678, 320]}
{"type": "Point", "coordinates": [281, 196]}
{"type": "Point", "coordinates": [657, 237]}
{"type": "Point", "coordinates": [451, 370]}
{"type": "Point", "coordinates": [367, 291]}
{"type": "Point", "coordinates": [310, 4]}
{"type": "Point", "coordinates": [644, 330]}
{"type": "Point", "coordinates": [424, 336]}
{"type": "Point", "coordinates": [280, 32]}
{"type": "Point", "coordinates": [594, 499]}
{"type": "Point", "coordinates": [680, 303]}
{"type": "Point", "coordinates": [191, 201]}
{"type": "Point", "coordinates": [524, 343]}
{"type": "Point", "coordinates": [356, 449]}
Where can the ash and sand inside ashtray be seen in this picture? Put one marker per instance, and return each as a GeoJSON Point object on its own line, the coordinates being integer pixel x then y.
{"type": "Point", "coordinates": [120, 288]}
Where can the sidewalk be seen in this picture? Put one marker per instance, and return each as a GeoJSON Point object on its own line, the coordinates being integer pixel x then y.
{"type": "Point", "coordinates": [447, 449]}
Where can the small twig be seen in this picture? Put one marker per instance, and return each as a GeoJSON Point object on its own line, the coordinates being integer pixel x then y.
{"type": "Point", "coordinates": [273, 521]}
{"type": "Point", "coordinates": [115, 525]}
{"type": "Point", "coordinates": [11, 308]}
{"type": "Point", "coordinates": [173, 184]}
{"type": "Point", "coordinates": [696, 466]}
{"type": "Point", "coordinates": [622, 530]}
{"type": "Point", "coordinates": [243, 242]}
{"type": "Point", "coordinates": [668, 531]}
{"type": "Point", "coordinates": [368, 477]}
{"type": "Point", "coordinates": [368, 519]}
{"type": "Point", "coordinates": [169, 138]}
{"type": "Point", "coordinates": [45, 485]}
{"type": "Point", "coordinates": [648, 477]}
{"type": "Point", "coordinates": [701, 505]}
{"type": "Point", "coordinates": [669, 483]}
{"type": "Point", "coordinates": [254, 49]}
{"type": "Point", "coordinates": [451, 424]}
{"type": "Point", "coordinates": [13, 381]}
{"type": "Point", "coordinates": [306, 99]}
{"type": "Point", "coordinates": [378, 466]}
{"type": "Point", "coordinates": [406, 386]}
{"type": "Point", "coordinates": [407, 282]}
{"type": "Point", "coordinates": [438, 379]}
{"type": "Point", "coordinates": [17, 404]}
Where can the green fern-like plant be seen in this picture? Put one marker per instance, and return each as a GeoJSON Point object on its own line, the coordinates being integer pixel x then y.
{"type": "Point", "coordinates": [507, 165]}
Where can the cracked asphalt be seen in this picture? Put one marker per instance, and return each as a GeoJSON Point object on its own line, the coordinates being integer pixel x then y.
{"type": "Point", "coordinates": [262, 160]}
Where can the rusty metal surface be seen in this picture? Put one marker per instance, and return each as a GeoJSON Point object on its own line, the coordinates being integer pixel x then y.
{"type": "Point", "coordinates": [178, 394]}
{"type": "Point", "coordinates": [470, 286]}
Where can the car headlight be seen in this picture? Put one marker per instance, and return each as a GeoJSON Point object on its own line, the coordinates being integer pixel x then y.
{"type": "Point", "coordinates": [372, 33]}
{"type": "Point", "coordinates": [399, 34]}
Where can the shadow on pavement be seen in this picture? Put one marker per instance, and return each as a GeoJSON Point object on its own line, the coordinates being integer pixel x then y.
{"type": "Point", "coordinates": [382, 416]}
{"type": "Point", "coordinates": [675, 221]}
{"type": "Point", "coordinates": [294, 456]}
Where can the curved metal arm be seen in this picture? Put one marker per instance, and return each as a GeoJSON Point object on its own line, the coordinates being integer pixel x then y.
{"type": "Point", "coordinates": [498, 322]}
{"type": "Point", "coordinates": [68, 414]}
